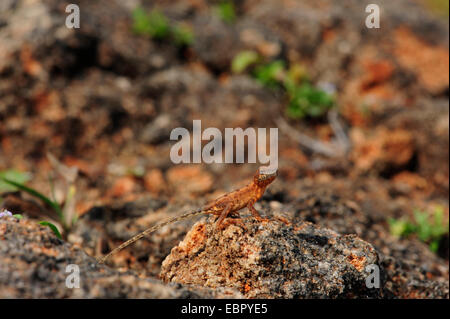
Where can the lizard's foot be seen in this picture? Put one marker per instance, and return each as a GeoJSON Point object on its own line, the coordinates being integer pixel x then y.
{"type": "Point", "coordinates": [255, 214]}
{"type": "Point", "coordinates": [260, 219]}
{"type": "Point", "coordinates": [230, 221]}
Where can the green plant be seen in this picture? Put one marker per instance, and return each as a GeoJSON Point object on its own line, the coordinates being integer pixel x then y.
{"type": "Point", "coordinates": [296, 74]}
{"type": "Point", "coordinates": [182, 35]}
{"type": "Point", "coordinates": [5, 212]}
{"type": "Point", "coordinates": [66, 213]}
{"type": "Point", "coordinates": [226, 11]}
{"type": "Point", "coordinates": [54, 205]}
{"type": "Point", "coordinates": [52, 227]}
{"type": "Point", "coordinates": [14, 175]}
{"type": "Point", "coordinates": [440, 7]}
{"type": "Point", "coordinates": [153, 24]}
{"type": "Point", "coordinates": [429, 228]}
{"type": "Point", "coordinates": [306, 100]}
{"type": "Point", "coordinates": [156, 26]}
{"type": "Point", "coordinates": [243, 60]}
{"type": "Point", "coordinates": [270, 74]}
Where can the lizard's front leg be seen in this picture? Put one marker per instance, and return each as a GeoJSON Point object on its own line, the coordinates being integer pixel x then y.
{"type": "Point", "coordinates": [223, 215]}
{"type": "Point", "coordinates": [254, 212]}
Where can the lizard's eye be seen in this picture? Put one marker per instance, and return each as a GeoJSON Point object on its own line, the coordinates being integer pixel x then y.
{"type": "Point", "coordinates": [262, 177]}
{"type": "Point", "coordinates": [265, 174]}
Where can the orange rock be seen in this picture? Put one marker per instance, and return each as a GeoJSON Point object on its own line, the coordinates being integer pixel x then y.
{"type": "Point", "coordinates": [429, 63]}
{"type": "Point", "coordinates": [295, 155]}
{"type": "Point", "coordinates": [83, 166]}
{"type": "Point", "coordinates": [154, 181]}
{"type": "Point", "coordinates": [189, 179]}
{"type": "Point", "coordinates": [357, 261]}
{"type": "Point", "coordinates": [123, 186]}
{"type": "Point", "coordinates": [376, 72]}
{"type": "Point", "coordinates": [398, 146]}
{"type": "Point", "coordinates": [329, 35]}
{"type": "Point", "coordinates": [30, 65]}
{"type": "Point", "coordinates": [411, 179]}
{"type": "Point", "coordinates": [385, 147]}
{"type": "Point", "coordinates": [48, 105]}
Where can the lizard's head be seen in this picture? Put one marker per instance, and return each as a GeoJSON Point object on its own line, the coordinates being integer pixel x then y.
{"type": "Point", "coordinates": [264, 176]}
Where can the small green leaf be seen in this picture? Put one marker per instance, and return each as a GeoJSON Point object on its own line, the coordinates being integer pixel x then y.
{"type": "Point", "coordinates": [52, 227]}
{"type": "Point", "coordinates": [226, 11]}
{"type": "Point", "coordinates": [182, 35]}
{"type": "Point", "coordinates": [434, 245]}
{"type": "Point", "coordinates": [306, 100]}
{"type": "Point", "coordinates": [424, 228]}
{"type": "Point", "coordinates": [271, 74]}
{"type": "Point", "coordinates": [430, 233]}
{"type": "Point", "coordinates": [18, 216]}
{"type": "Point", "coordinates": [141, 25]}
{"type": "Point", "coordinates": [243, 60]}
{"type": "Point", "coordinates": [153, 24]}
{"type": "Point", "coordinates": [35, 193]}
{"type": "Point", "coordinates": [440, 228]}
{"type": "Point", "coordinates": [397, 227]}
{"type": "Point", "coordinates": [296, 74]}
{"type": "Point", "coordinates": [13, 175]}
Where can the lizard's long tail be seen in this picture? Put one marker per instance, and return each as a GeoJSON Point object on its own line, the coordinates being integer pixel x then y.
{"type": "Point", "coordinates": [150, 230]}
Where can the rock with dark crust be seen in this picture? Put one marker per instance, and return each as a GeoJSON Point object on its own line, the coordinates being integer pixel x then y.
{"type": "Point", "coordinates": [33, 264]}
{"type": "Point", "coordinates": [274, 259]}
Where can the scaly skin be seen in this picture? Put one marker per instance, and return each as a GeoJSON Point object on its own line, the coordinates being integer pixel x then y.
{"type": "Point", "coordinates": [228, 204]}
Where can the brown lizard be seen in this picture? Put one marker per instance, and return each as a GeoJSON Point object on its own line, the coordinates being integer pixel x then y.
{"type": "Point", "coordinates": [228, 204]}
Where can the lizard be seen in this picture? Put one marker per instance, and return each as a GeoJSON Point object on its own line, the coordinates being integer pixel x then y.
{"type": "Point", "coordinates": [227, 204]}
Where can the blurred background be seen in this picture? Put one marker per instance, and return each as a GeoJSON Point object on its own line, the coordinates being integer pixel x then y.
{"type": "Point", "coordinates": [363, 115]}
